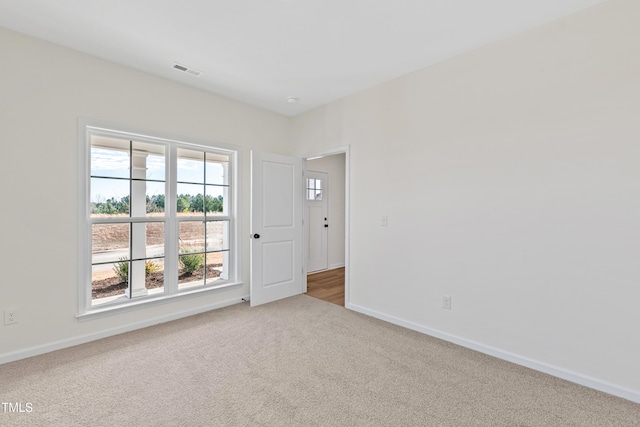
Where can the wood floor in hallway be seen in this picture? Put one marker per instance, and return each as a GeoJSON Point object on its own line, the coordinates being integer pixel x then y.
{"type": "Point", "coordinates": [327, 285]}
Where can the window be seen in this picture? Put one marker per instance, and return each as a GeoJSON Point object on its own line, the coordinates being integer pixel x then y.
{"type": "Point", "coordinates": [159, 218]}
{"type": "Point", "coordinates": [314, 189]}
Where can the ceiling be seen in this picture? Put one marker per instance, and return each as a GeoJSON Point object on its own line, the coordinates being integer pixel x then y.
{"type": "Point", "coordinates": [263, 51]}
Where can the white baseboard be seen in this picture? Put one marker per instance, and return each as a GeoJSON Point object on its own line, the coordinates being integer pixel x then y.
{"type": "Point", "coordinates": [58, 345]}
{"type": "Point", "coordinates": [574, 377]}
{"type": "Point", "coordinates": [334, 266]}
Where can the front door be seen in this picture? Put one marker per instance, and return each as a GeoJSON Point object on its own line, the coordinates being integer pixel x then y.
{"type": "Point", "coordinates": [276, 227]}
{"type": "Point", "coordinates": [317, 221]}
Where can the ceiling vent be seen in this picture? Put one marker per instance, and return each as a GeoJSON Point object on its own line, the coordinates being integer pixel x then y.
{"type": "Point", "coordinates": [187, 70]}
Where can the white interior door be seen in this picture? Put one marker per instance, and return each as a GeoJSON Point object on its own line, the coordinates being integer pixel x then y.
{"type": "Point", "coordinates": [316, 196]}
{"type": "Point", "coordinates": [276, 227]}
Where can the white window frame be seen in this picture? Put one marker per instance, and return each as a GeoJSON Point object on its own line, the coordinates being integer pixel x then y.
{"type": "Point", "coordinates": [86, 309]}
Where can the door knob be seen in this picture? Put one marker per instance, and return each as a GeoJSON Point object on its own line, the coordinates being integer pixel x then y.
{"type": "Point", "coordinates": [326, 225]}
{"type": "Point", "coordinates": [256, 236]}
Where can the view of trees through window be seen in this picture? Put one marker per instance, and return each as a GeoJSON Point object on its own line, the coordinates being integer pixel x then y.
{"type": "Point", "coordinates": [155, 203]}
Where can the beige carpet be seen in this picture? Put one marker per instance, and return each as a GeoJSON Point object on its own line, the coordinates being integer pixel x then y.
{"type": "Point", "coordinates": [296, 362]}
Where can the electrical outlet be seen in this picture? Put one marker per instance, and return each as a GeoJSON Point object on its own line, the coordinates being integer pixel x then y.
{"type": "Point", "coordinates": [11, 316]}
{"type": "Point", "coordinates": [446, 302]}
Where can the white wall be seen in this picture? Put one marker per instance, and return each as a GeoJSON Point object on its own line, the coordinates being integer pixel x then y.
{"type": "Point", "coordinates": [510, 176]}
{"type": "Point", "coordinates": [334, 166]}
{"type": "Point", "coordinates": [44, 89]}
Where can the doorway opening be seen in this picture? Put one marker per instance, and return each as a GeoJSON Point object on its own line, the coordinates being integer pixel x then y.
{"type": "Point", "coordinates": [326, 226]}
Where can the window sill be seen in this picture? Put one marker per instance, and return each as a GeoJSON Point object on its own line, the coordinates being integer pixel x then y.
{"type": "Point", "coordinates": [150, 301]}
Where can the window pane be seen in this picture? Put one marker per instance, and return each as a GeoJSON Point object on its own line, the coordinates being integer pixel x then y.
{"type": "Point", "coordinates": [217, 235]}
{"type": "Point", "coordinates": [109, 157]}
{"type": "Point", "coordinates": [109, 242]}
{"type": "Point", "coordinates": [318, 184]}
{"type": "Point", "coordinates": [154, 256]}
{"type": "Point", "coordinates": [155, 198]}
{"type": "Point", "coordinates": [217, 257]}
{"type": "Point", "coordinates": [190, 166]}
{"type": "Point", "coordinates": [148, 164]}
{"type": "Point", "coordinates": [147, 240]}
{"type": "Point", "coordinates": [147, 275]}
{"type": "Point", "coordinates": [153, 156]}
{"type": "Point", "coordinates": [147, 249]}
{"type": "Point", "coordinates": [108, 281]}
{"type": "Point", "coordinates": [109, 197]}
{"type": "Point", "coordinates": [216, 266]}
{"type": "Point", "coordinates": [216, 200]}
{"type": "Point", "coordinates": [216, 168]}
{"type": "Point", "coordinates": [318, 195]}
{"type": "Point", "coordinates": [154, 240]}
{"type": "Point", "coordinates": [190, 269]}
{"type": "Point", "coordinates": [191, 236]}
{"type": "Point", "coordinates": [154, 269]}
{"type": "Point", "coordinates": [190, 198]}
